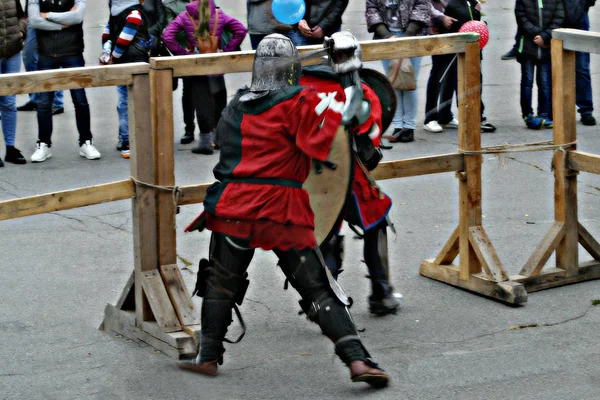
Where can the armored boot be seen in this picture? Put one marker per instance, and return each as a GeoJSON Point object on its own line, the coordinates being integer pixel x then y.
{"type": "Point", "coordinates": [368, 372]}
{"type": "Point", "coordinates": [382, 300]}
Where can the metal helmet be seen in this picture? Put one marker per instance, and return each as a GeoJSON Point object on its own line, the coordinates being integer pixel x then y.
{"type": "Point", "coordinates": [276, 64]}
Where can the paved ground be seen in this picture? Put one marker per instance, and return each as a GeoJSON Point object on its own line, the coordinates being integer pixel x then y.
{"type": "Point", "coordinates": [59, 270]}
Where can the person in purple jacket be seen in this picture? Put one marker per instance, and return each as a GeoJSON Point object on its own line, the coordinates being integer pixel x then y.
{"type": "Point", "coordinates": [209, 93]}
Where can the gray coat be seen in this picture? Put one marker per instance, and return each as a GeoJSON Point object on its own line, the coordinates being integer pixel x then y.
{"type": "Point", "coordinates": [378, 12]}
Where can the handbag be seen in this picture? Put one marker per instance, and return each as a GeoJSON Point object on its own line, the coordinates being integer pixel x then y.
{"type": "Point", "coordinates": [210, 44]}
{"type": "Point", "coordinates": [401, 74]}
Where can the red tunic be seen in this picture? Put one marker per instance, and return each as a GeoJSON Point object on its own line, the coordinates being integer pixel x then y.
{"type": "Point", "coordinates": [267, 147]}
{"type": "Point", "coordinates": [368, 205]}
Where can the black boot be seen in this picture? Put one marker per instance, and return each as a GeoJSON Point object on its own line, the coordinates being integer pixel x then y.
{"type": "Point", "coordinates": [204, 146]}
{"type": "Point", "coordinates": [382, 301]}
{"type": "Point", "coordinates": [13, 155]}
{"type": "Point", "coordinates": [188, 137]}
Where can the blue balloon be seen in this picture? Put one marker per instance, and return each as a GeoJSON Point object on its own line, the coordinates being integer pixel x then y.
{"type": "Point", "coordinates": [288, 11]}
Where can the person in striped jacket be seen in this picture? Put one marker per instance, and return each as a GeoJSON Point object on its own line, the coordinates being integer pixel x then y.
{"type": "Point", "coordinates": [127, 30]}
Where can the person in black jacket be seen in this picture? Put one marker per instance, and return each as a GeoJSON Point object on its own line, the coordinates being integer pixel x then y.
{"type": "Point", "coordinates": [59, 29]}
{"type": "Point", "coordinates": [322, 18]}
{"type": "Point", "coordinates": [536, 19]}
{"type": "Point", "coordinates": [462, 11]}
{"type": "Point", "coordinates": [576, 16]}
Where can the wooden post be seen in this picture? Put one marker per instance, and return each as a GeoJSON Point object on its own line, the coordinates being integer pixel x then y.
{"type": "Point", "coordinates": [145, 240]}
{"type": "Point", "coordinates": [565, 180]}
{"type": "Point", "coordinates": [161, 88]}
{"type": "Point", "coordinates": [469, 138]}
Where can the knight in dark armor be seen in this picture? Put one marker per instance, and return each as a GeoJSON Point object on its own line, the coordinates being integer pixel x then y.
{"type": "Point", "coordinates": [269, 134]}
{"type": "Point", "coordinates": [367, 207]}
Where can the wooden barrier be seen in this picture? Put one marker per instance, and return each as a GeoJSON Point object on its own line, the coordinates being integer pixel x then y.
{"type": "Point", "coordinates": [155, 305]}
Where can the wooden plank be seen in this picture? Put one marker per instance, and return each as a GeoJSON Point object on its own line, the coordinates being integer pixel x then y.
{"type": "Point", "coordinates": [159, 300]}
{"type": "Point", "coordinates": [372, 50]}
{"type": "Point", "coordinates": [179, 340]}
{"type": "Point", "coordinates": [578, 40]}
{"type": "Point", "coordinates": [565, 182]}
{"type": "Point", "coordinates": [70, 78]}
{"type": "Point", "coordinates": [589, 243]}
{"type": "Point", "coordinates": [193, 194]}
{"type": "Point", "coordinates": [66, 199]}
{"type": "Point", "coordinates": [508, 292]}
{"type": "Point", "coordinates": [450, 249]}
{"type": "Point", "coordinates": [161, 106]}
{"type": "Point", "coordinates": [582, 161]}
{"type": "Point", "coordinates": [143, 207]}
{"type": "Point", "coordinates": [554, 277]}
{"type": "Point", "coordinates": [419, 166]}
{"type": "Point", "coordinates": [486, 254]}
{"type": "Point", "coordinates": [180, 297]}
{"type": "Point", "coordinates": [469, 138]}
{"type": "Point", "coordinates": [544, 250]}
{"type": "Point", "coordinates": [124, 323]}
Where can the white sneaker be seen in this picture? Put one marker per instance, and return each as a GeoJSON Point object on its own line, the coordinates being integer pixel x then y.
{"type": "Point", "coordinates": [42, 152]}
{"type": "Point", "coordinates": [452, 124]}
{"type": "Point", "coordinates": [88, 151]}
{"type": "Point", "coordinates": [433, 126]}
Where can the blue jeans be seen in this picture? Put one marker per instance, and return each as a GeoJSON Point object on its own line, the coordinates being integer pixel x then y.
{"type": "Point", "coordinates": [123, 114]}
{"type": "Point", "coordinates": [583, 79]}
{"type": "Point", "coordinates": [30, 60]}
{"type": "Point", "coordinates": [408, 100]}
{"type": "Point", "coordinates": [543, 78]}
{"type": "Point", "coordinates": [8, 104]}
{"type": "Point", "coordinates": [82, 108]}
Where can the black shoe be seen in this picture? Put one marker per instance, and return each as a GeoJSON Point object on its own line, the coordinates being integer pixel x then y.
{"type": "Point", "coordinates": [511, 54]}
{"type": "Point", "coordinates": [383, 306]}
{"type": "Point", "coordinates": [403, 135]}
{"type": "Point", "coordinates": [57, 110]}
{"type": "Point", "coordinates": [385, 146]}
{"type": "Point", "coordinates": [29, 106]}
{"type": "Point", "coordinates": [588, 119]}
{"type": "Point", "coordinates": [487, 127]}
{"type": "Point", "coordinates": [13, 155]}
{"type": "Point", "coordinates": [1, 163]}
{"type": "Point", "coordinates": [187, 138]}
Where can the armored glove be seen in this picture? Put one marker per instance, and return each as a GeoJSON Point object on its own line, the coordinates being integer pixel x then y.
{"type": "Point", "coordinates": [343, 54]}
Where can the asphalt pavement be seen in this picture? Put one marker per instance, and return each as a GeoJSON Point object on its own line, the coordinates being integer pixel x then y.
{"type": "Point", "coordinates": [59, 270]}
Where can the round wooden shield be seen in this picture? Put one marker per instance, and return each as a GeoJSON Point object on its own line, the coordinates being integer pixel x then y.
{"type": "Point", "coordinates": [329, 189]}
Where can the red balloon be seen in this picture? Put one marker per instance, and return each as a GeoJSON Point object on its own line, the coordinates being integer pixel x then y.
{"type": "Point", "coordinates": [477, 27]}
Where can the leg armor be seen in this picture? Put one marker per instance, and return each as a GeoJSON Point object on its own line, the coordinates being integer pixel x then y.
{"type": "Point", "coordinates": [382, 300]}
{"type": "Point", "coordinates": [225, 284]}
{"type": "Point", "coordinates": [307, 273]}
{"type": "Point", "coordinates": [333, 254]}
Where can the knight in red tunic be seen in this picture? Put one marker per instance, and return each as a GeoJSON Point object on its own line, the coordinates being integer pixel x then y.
{"type": "Point", "coordinates": [268, 135]}
{"type": "Point", "coordinates": [367, 206]}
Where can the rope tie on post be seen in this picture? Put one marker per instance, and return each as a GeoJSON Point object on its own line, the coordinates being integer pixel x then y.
{"type": "Point", "coordinates": [175, 190]}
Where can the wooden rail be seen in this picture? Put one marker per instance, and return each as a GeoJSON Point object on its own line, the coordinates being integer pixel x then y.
{"type": "Point", "coordinates": [577, 40]}
{"type": "Point", "coordinates": [585, 162]}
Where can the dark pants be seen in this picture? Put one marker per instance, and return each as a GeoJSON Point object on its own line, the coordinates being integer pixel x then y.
{"type": "Point", "coordinates": [305, 273]}
{"type": "Point", "coordinates": [45, 99]}
{"type": "Point", "coordinates": [439, 95]}
{"type": "Point", "coordinates": [543, 77]}
{"type": "Point", "coordinates": [209, 98]}
{"type": "Point", "coordinates": [187, 104]}
{"type": "Point", "coordinates": [583, 92]}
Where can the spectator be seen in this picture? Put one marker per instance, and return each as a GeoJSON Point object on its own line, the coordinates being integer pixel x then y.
{"type": "Point", "coordinates": [60, 44]}
{"type": "Point", "coordinates": [463, 11]}
{"type": "Point", "coordinates": [261, 21]}
{"type": "Point", "coordinates": [208, 93]}
{"type": "Point", "coordinates": [30, 60]}
{"type": "Point", "coordinates": [536, 20]}
{"type": "Point", "coordinates": [13, 30]}
{"type": "Point", "coordinates": [390, 19]}
{"type": "Point", "coordinates": [576, 16]}
{"type": "Point", "coordinates": [172, 9]}
{"type": "Point", "coordinates": [322, 18]}
{"type": "Point", "coordinates": [442, 81]}
{"type": "Point", "coordinates": [127, 29]}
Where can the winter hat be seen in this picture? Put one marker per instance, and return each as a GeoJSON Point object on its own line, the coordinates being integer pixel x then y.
{"type": "Point", "coordinates": [118, 6]}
